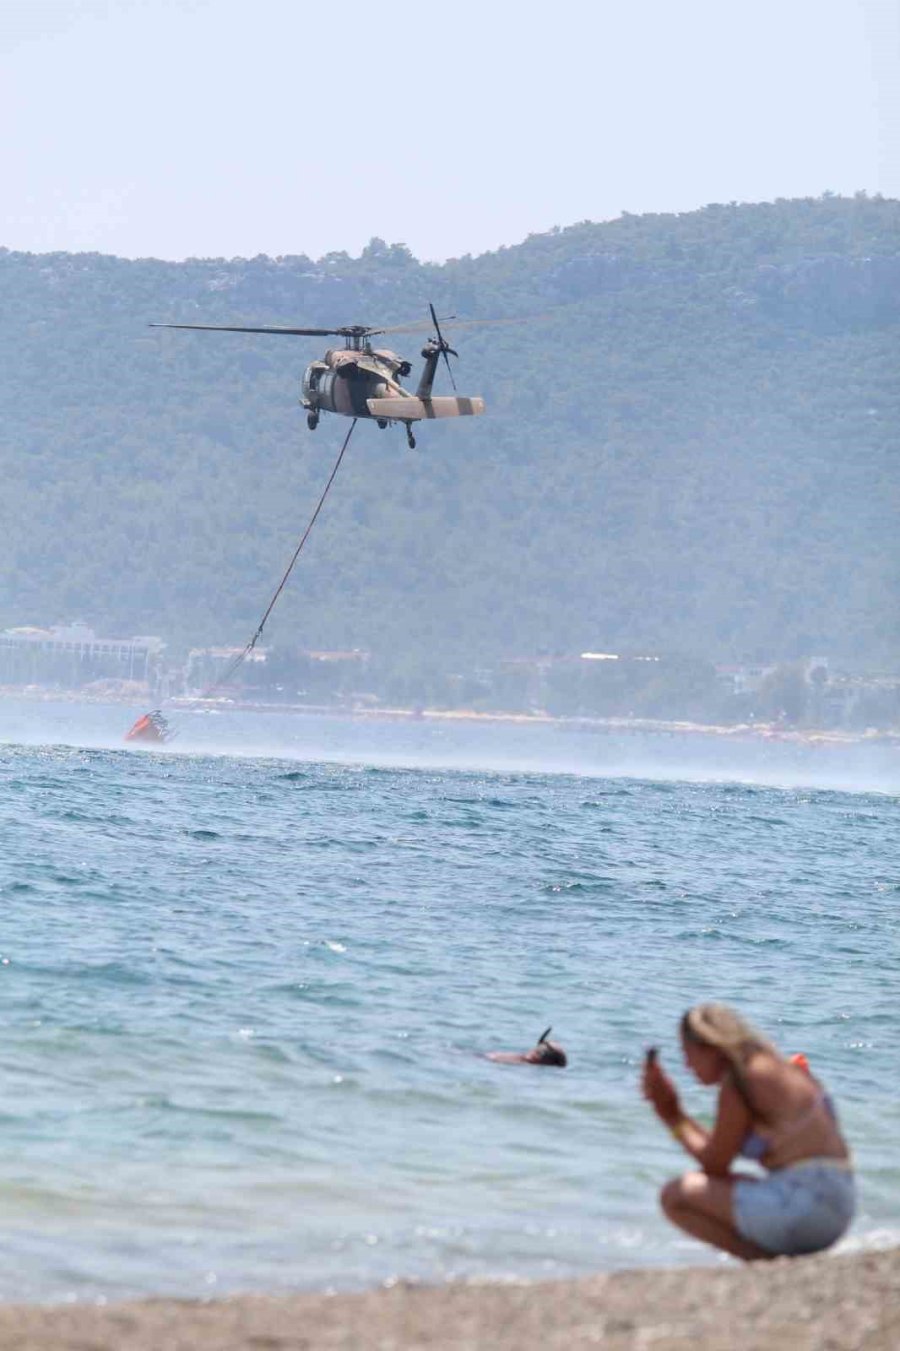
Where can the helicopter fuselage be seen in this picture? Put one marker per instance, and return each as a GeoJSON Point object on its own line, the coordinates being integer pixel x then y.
{"type": "Point", "coordinates": [343, 381]}
{"type": "Point", "coordinates": [360, 381]}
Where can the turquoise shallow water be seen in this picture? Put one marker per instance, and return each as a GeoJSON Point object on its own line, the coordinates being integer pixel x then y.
{"type": "Point", "coordinates": [245, 984]}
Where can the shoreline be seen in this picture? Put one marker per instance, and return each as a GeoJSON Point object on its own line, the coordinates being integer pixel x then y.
{"type": "Point", "coordinates": [845, 1303]}
{"type": "Point", "coordinates": [766, 733]}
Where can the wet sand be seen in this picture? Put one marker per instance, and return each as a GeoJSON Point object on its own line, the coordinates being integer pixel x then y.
{"type": "Point", "coordinates": [814, 1304]}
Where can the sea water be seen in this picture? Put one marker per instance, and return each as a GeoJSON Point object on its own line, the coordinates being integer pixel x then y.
{"type": "Point", "coordinates": [246, 983]}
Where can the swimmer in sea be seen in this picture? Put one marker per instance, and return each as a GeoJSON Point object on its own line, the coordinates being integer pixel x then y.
{"type": "Point", "coordinates": [770, 1110]}
{"type": "Point", "coordinates": [543, 1053]}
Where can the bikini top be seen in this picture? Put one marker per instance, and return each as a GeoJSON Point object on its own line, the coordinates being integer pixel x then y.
{"type": "Point", "coordinates": [755, 1145]}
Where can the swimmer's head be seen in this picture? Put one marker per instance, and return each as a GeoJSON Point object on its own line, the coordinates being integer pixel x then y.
{"type": "Point", "coordinates": [548, 1052]}
{"type": "Point", "coordinates": [544, 1053]}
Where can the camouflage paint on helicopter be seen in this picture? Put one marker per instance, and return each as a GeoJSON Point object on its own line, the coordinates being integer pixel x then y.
{"type": "Point", "coordinates": [360, 381]}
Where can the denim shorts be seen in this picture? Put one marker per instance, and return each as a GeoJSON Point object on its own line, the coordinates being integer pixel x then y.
{"type": "Point", "coordinates": [800, 1209]}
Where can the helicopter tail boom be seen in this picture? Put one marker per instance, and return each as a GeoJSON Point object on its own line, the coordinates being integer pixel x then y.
{"type": "Point", "coordinates": [411, 409]}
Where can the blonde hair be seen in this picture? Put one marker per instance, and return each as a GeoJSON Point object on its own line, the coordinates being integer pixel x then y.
{"type": "Point", "coordinates": [726, 1031]}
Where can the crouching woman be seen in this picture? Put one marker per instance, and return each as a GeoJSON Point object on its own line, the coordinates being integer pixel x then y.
{"type": "Point", "coordinates": [770, 1110]}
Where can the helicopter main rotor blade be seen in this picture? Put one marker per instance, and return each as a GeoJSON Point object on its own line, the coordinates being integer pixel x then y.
{"type": "Point", "coordinates": [451, 321]}
{"type": "Point", "coordinates": [443, 345]}
{"type": "Point", "coordinates": [414, 326]}
{"type": "Point", "coordinates": [290, 332]}
{"type": "Point", "coordinates": [348, 330]}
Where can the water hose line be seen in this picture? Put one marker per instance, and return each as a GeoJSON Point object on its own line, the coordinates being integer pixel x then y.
{"type": "Point", "coordinates": [164, 733]}
{"type": "Point", "coordinates": [242, 656]}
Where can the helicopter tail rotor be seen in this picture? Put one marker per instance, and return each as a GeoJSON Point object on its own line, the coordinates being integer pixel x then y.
{"type": "Point", "coordinates": [443, 346]}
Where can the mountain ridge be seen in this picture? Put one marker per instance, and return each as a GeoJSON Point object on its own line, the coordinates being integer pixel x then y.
{"type": "Point", "coordinates": [691, 444]}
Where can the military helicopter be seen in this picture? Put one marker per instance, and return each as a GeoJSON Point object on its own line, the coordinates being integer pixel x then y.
{"type": "Point", "coordinates": [362, 381]}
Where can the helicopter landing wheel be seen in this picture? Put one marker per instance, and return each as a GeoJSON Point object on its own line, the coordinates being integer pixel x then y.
{"type": "Point", "coordinates": [312, 421]}
{"type": "Point", "coordinates": [410, 439]}
{"type": "Point", "coordinates": [382, 422]}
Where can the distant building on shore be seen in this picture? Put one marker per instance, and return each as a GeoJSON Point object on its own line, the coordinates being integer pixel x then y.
{"type": "Point", "coordinates": [743, 678]}
{"type": "Point", "coordinates": [71, 656]}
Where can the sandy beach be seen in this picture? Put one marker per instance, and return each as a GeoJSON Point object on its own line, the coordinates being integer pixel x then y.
{"type": "Point", "coordinates": [847, 1303]}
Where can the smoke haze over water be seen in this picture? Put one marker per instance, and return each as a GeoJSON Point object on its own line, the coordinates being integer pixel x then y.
{"type": "Point", "coordinates": [553, 748]}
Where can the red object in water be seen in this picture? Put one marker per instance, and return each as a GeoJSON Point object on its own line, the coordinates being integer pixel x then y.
{"type": "Point", "coordinates": [151, 728]}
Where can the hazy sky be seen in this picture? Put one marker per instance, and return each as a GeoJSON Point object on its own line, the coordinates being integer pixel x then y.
{"type": "Point", "coordinates": [175, 128]}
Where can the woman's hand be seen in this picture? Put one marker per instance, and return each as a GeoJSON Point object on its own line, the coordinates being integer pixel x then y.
{"type": "Point", "coordinates": [660, 1092]}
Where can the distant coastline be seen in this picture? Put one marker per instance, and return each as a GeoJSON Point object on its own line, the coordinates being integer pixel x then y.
{"type": "Point", "coordinates": [752, 732]}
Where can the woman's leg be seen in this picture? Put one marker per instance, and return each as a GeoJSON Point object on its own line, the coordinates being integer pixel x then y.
{"type": "Point", "coordinates": [701, 1206]}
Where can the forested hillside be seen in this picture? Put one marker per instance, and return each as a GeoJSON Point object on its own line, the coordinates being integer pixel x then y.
{"type": "Point", "coordinates": [691, 445]}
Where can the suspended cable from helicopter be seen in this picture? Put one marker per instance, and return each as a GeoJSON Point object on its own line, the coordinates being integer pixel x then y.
{"type": "Point", "coordinates": [153, 728]}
